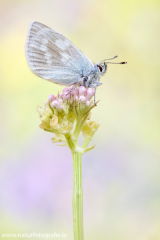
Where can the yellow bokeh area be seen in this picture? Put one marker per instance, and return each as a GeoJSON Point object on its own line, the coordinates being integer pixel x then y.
{"type": "Point", "coordinates": [121, 177]}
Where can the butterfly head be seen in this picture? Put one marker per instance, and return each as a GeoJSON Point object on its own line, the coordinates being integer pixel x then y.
{"type": "Point", "coordinates": [101, 68]}
{"type": "Point", "coordinates": [102, 65]}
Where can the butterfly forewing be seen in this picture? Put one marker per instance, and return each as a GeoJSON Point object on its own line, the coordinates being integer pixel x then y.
{"type": "Point", "coordinates": [52, 56]}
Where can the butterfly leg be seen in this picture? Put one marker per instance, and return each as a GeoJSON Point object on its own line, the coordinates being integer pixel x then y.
{"type": "Point", "coordinates": [95, 96]}
{"type": "Point", "coordinates": [95, 85]}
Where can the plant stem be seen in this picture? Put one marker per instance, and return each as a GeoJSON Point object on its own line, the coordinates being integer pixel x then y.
{"type": "Point", "coordinates": [79, 125]}
{"type": "Point", "coordinates": [86, 142]}
{"type": "Point", "coordinates": [77, 197]}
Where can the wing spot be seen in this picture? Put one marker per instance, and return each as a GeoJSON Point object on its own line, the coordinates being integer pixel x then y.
{"type": "Point", "coordinates": [43, 48]}
{"type": "Point", "coordinates": [65, 57]}
{"type": "Point", "coordinates": [60, 44]}
{"type": "Point", "coordinates": [67, 43]}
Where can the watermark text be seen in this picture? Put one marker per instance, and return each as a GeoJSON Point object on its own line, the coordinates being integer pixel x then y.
{"type": "Point", "coordinates": [35, 235]}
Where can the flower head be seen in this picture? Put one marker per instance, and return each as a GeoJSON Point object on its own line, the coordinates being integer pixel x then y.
{"type": "Point", "coordinates": [68, 111]}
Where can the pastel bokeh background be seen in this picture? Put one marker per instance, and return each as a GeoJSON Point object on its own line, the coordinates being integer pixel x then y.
{"type": "Point", "coordinates": [121, 176]}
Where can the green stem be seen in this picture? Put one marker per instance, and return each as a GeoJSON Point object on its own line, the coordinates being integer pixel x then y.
{"type": "Point", "coordinates": [77, 197]}
{"type": "Point", "coordinates": [72, 144]}
{"type": "Point", "coordinates": [86, 142]}
{"type": "Point", "coordinates": [77, 201]}
{"type": "Point", "coordinates": [79, 126]}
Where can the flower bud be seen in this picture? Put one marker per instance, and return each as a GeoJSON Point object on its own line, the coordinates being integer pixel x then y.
{"type": "Point", "coordinates": [87, 103]}
{"type": "Point", "coordinates": [82, 90]}
{"type": "Point", "coordinates": [65, 95]}
{"type": "Point", "coordinates": [66, 90]}
{"type": "Point", "coordinates": [54, 121]}
{"type": "Point", "coordinates": [59, 101]}
{"type": "Point", "coordinates": [89, 128]}
{"type": "Point", "coordinates": [90, 93]}
{"type": "Point", "coordinates": [51, 98]}
{"type": "Point", "coordinates": [82, 99]}
{"type": "Point", "coordinates": [54, 104]}
{"type": "Point", "coordinates": [75, 92]}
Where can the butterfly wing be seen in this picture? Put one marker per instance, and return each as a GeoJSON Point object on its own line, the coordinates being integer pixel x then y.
{"type": "Point", "coordinates": [51, 56]}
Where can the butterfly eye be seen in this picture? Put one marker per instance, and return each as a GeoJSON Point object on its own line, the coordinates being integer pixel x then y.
{"type": "Point", "coordinates": [100, 68]}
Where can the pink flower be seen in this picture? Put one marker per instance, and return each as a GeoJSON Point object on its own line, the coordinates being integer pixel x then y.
{"type": "Point", "coordinates": [54, 104]}
{"type": "Point", "coordinates": [75, 92]}
{"type": "Point", "coordinates": [87, 103]}
{"type": "Point", "coordinates": [66, 90]}
{"type": "Point", "coordinates": [80, 95]}
{"type": "Point", "coordinates": [82, 90]}
{"type": "Point", "coordinates": [90, 93]}
{"type": "Point", "coordinates": [82, 99]}
{"type": "Point", "coordinates": [57, 104]}
{"type": "Point", "coordinates": [59, 101]}
{"type": "Point", "coordinates": [65, 96]}
{"type": "Point", "coordinates": [51, 98]}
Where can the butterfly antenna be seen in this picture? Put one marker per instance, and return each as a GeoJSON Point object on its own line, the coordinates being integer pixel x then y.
{"type": "Point", "coordinates": [108, 59]}
{"type": "Point", "coordinates": [115, 62]}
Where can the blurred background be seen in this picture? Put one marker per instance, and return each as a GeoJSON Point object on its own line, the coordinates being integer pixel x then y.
{"type": "Point", "coordinates": [121, 176]}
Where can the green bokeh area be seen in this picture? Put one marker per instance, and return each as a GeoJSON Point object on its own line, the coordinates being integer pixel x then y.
{"type": "Point", "coordinates": [121, 177]}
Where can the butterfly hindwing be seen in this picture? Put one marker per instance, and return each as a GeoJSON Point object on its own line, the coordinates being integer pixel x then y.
{"type": "Point", "coordinates": [51, 56]}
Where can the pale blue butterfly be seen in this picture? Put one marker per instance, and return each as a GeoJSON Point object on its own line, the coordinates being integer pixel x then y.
{"type": "Point", "coordinates": [51, 56]}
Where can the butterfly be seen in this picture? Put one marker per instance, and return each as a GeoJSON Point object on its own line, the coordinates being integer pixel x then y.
{"type": "Point", "coordinates": [51, 56]}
